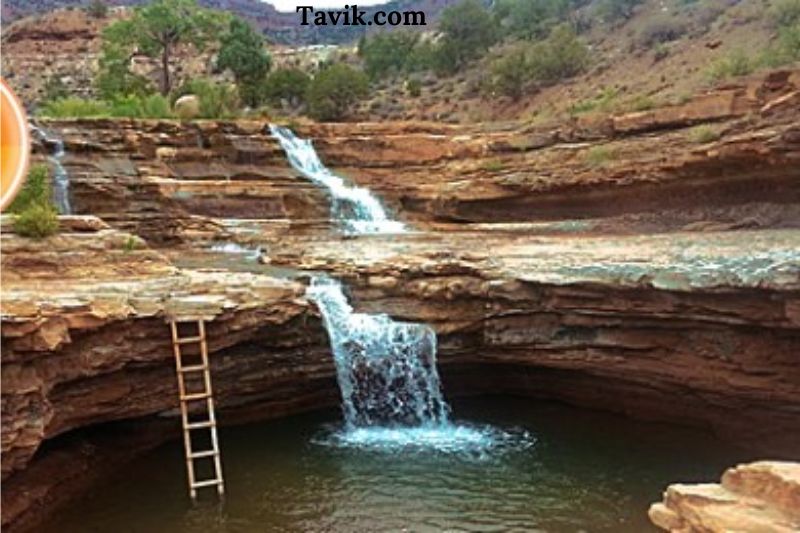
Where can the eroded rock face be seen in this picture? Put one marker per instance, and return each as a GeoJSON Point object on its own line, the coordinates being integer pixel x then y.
{"type": "Point", "coordinates": [752, 498]}
{"type": "Point", "coordinates": [632, 173]}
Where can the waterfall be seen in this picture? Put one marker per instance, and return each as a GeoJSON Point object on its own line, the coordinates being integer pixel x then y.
{"type": "Point", "coordinates": [386, 369]}
{"type": "Point", "coordinates": [60, 175]}
{"type": "Point", "coordinates": [355, 208]}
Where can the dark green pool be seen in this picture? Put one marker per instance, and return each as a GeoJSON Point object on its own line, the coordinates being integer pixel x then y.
{"type": "Point", "coordinates": [556, 469]}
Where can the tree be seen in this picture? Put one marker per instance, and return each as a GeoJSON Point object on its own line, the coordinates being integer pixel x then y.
{"type": "Point", "coordinates": [157, 28]}
{"type": "Point", "coordinates": [243, 53]}
{"type": "Point", "coordinates": [114, 78]}
{"type": "Point", "coordinates": [529, 19]}
{"type": "Point", "coordinates": [468, 31]}
{"type": "Point", "coordinates": [387, 53]}
{"type": "Point", "coordinates": [334, 90]}
{"type": "Point", "coordinates": [286, 84]}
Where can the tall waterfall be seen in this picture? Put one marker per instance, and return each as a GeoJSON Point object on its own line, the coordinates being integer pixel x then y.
{"type": "Point", "coordinates": [60, 175]}
{"type": "Point", "coordinates": [386, 369]}
{"type": "Point", "coordinates": [355, 208]}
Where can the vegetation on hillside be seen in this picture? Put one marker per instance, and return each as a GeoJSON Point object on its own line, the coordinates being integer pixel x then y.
{"type": "Point", "coordinates": [35, 216]}
{"type": "Point", "coordinates": [519, 47]}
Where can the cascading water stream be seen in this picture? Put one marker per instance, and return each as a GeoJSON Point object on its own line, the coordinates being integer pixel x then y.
{"type": "Point", "coordinates": [60, 175]}
{"type": "Point", "coordinates": [386, 369]}
{"type": "Point", "coordinates": [355, 208]}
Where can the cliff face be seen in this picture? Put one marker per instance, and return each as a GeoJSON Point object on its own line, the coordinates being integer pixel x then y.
{"type": "Point", "coordinates": [724, 160]}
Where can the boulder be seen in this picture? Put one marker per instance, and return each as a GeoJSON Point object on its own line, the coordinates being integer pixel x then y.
{"type": "Point", "coordinates": [187, 107]}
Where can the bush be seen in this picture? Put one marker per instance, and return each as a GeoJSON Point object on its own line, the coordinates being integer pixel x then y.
{"type": "Point", "coordinates": [599, 156]}
{"type": "Point", "coordinates": [35, 190]}
{"type": "Point", "coordinates": [786, 13]}
{"type": "Point", "coordinates": [153, 106]}
{"type": "Point", "coordinates": [660, 30]}
{"type": "Point", "coordinates": [613, 10]}
{"type": "Point", "coordinates": [414, 88]}
{"type": "Point", "coordinates": [387, 53]}
{"type": "Point", "coordinates": [72, 107]}
{"type": "Point", "coordinates": [36, 215]}
{"type": "Point", "coordinates": [97, 9]}
{"type": "Point", "coordinates": [736, 64]}
{"type": "Point", "coordinates": [286, 84]}
{"type": "Point", "coordinates": [529, 19]}
{"type": "Point", "coordinates": [603, 102]}
{"type": "Point", "coordinates": [37, 221]}
{"type": "Point", "coordinates": [561, 56]}
{"type": "Point", "coordinates": [216, 100]}
{"type": "Point", "coordinates": [334, 91]}
{"type": "Point", "coordinates": [55, 89]}
{"type": "Point", "coordinates": [511, 71]}
{"type": "Point", "coordinates": [703, 134]}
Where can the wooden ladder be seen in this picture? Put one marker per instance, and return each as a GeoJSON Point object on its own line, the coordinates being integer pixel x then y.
{"type": "Point", "coordinates": [209, 422]}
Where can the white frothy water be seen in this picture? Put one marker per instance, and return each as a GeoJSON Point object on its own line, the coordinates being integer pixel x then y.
{"type": "Point", "coordinates": [60, 175]}
{"type": "Point", "coordinates": [386, 369]}
{"type": "Point", "coordinates": [391, 392]}
{"type": "Point", "coordinates": [236, 249]}
{"type": "Point", "coordinates": [355, 208]}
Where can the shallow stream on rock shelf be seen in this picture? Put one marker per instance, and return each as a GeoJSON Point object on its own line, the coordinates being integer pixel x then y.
{"type": "Point", "coordinates": [554, 468]}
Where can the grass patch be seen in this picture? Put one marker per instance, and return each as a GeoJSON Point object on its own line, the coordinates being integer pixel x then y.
{"type": "Point", "coordinates": [599, 156]}
{"type": "Point", "coordinates": [734, 65]}
{"type": "Point", "coordinates": [603, 102]}
{"type": "Point", "coordinates": [703, 134]}
{"type": "Point", "coordinates": [36, 216]}
{"type": "Point", "coordinates": [72, 107]}
{"type": "Point", "coordinates": [494, 166]}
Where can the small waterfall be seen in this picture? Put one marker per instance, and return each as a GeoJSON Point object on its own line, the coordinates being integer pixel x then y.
{"type": "Point", "coordinates": [60, 175]}
{"type": "Point", "coordinates": [386, 369]}
{"type": "Point", "coordinates": [355, 208]}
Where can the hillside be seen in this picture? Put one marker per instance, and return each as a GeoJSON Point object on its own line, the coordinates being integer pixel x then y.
{"type": "Point", "coordinates": [279, 27]}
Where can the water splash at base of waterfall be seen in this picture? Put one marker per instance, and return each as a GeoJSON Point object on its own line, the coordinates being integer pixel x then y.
{"type": "Point", "coordinates": [391, 392]}
{"type": "Point", "coordinates": [60, 175]}
{"type": "Point", "coordinates": [356, 209]}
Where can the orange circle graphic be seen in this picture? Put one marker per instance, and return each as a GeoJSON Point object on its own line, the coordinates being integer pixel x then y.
{"type": "Point", "coordinates": [15, 145]}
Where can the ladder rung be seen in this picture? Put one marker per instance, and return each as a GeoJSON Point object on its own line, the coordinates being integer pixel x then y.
{"type": "Point", "coordinates": [208, 483]}
{"type": "Point", "coordinates": [189, 340]}
{"type": "Point", "coordinates": [198, 396]}
{"type": "Point", "coordinates": [201, 455]}
{"type": "Point", "coordinates": [194, 368]}
{"type": "Point", "coordinates": [201, 425]}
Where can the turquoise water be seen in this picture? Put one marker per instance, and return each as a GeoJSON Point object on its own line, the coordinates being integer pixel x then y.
{"type": "Point", "coordinates": [520, 465]}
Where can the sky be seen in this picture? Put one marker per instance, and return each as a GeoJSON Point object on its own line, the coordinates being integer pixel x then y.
{"type": "Point", "coordinates": [291, 5]}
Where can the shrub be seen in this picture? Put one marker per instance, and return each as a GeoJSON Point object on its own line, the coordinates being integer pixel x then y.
{"type": "Point", "coordinates": [529, 19]}
{"type": "Point", "coordinates": [72, 107]}
{"type": "Point", "coordinates": [561, 56]}
{"type": "Point", "coordinates": [334, 91]}
{"type": "Point", "coordinates": [613, 10]}
{"type": "Point", "coordinates": [387, 53]}
{"type": "Point", "coordinates": [736, 64]}
{"type": "Point", "coordinates": [216, 100]}
{"type": "Point", "coordinates": [36, 216]}
{"type": "Point", "coordinates": [603, 102]}
{"type": "Point", "coordinates": [414, 87]}
{"type": "Point", "coordinates": [642, 103]}
{"type": "Point", "coordinates": [286, 84]}
{"type": "Point", "coordinates": [35, 190]}
{"type": "Point", "coordinates": [660, 30]}
{"type": "Point", "coordinates": [786, 13]}
{"type": "Point", "coordinates": [37, 221]}
{"type": "Point", "coordinates": [97, 9]}
{"type": "Point", "coordinates": [55, 89]}
{"type": "Point", "coordinates": [511, 71]}
{"type": "Point", "coordinates": [703, 134]}
{"type": "Point", "coordinates": [599, 156]}
{"type": "Point", "coordinates": [153, 106]}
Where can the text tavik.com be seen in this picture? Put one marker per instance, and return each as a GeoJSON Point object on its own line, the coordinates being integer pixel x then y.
{"type": "Point", "coordinates": [352, 16]}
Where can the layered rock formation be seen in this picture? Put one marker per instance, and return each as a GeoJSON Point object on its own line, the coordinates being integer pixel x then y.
{"type": "Point", "coordinates": [763, 496]}
{"type": "Point", "coordinates": [581, 294]}
{"type": "Point", "coordinates": [641, 172]}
